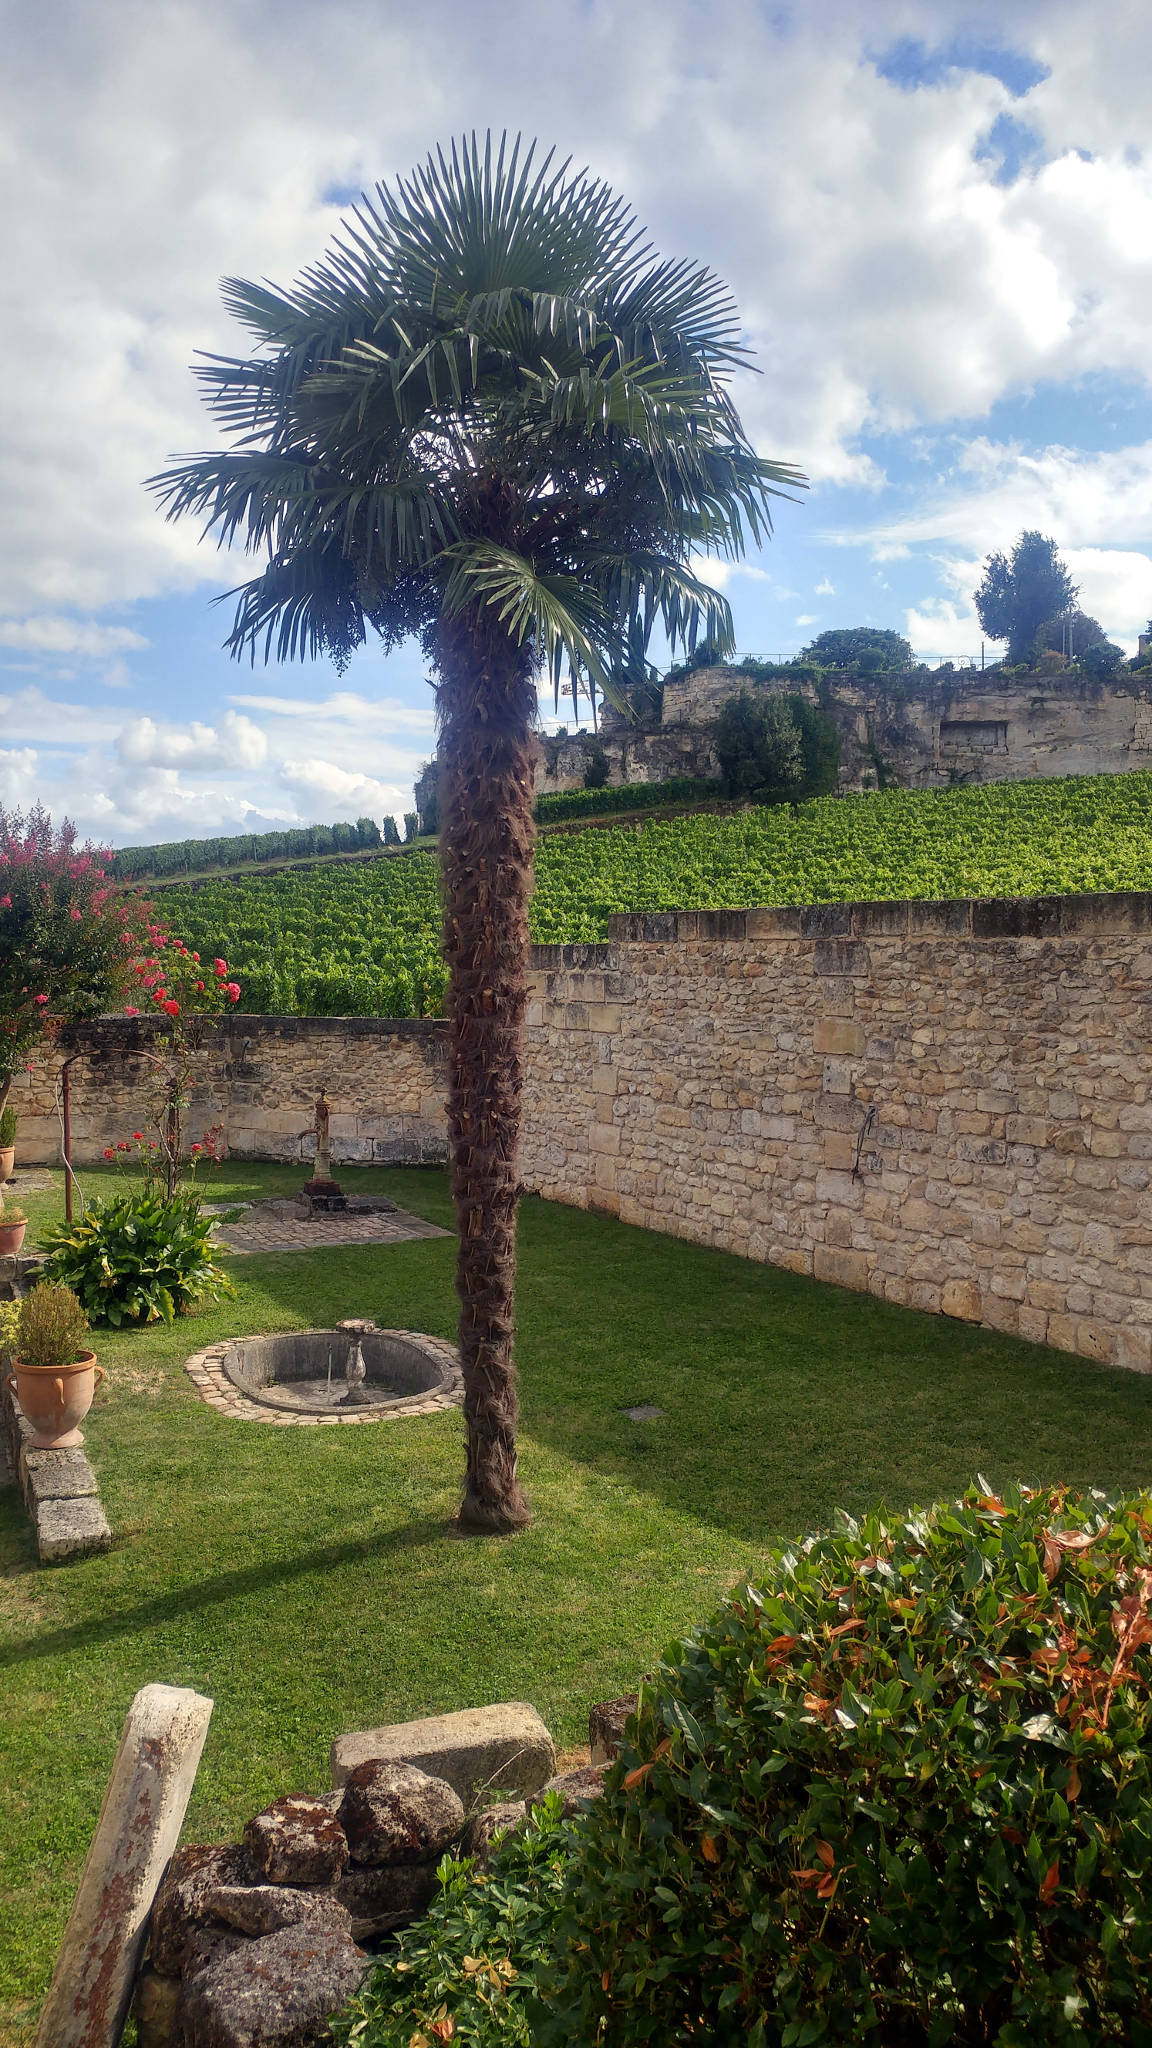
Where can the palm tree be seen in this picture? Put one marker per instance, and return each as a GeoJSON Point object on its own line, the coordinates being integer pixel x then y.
{"type": "Point", "coordinates": [491, 417]}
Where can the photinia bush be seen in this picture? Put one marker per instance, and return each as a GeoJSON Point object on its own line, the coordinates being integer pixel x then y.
{"type": "Point", "coordinates": [899, 1793]}
{"type": "Point", "coordinates": [466, 1972]}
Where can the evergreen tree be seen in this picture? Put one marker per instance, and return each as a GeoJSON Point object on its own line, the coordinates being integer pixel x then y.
{"type": "Point", "coordinates": [1021, 593]}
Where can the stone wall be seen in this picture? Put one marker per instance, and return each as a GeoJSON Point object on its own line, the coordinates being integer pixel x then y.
{"type": "Point", "coordinates": [915, 731]}
{"type": "Point", "coordinates": [946, 1104]}
{"type": "Point", "coordinates": [259, 1077]}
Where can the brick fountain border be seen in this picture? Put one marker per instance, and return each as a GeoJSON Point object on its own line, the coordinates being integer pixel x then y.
{"type": "Point", "coordinates": [206, 1371]}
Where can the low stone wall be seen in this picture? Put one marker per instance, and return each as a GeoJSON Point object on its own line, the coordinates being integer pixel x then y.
{"type": "Point", "coordinates": [259, 1077]}
{"type": "Point", "coordinates": [946, 1104]}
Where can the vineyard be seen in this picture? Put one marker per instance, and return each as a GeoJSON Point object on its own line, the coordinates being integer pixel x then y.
{"type": "Point", "coordinates": [362, 940]}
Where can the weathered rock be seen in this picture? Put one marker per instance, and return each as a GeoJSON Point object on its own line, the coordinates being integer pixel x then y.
{"type": "Point", "coordinates": [181, 1906]}
{"type": "Point", "coordinates": [606, 1727]}
{"type": "Point", "coordinates": [386, 1897]}
{"type": "Point", "coordinates": [275, 1992]}
{"type": "Point", "coordinates": [504, 1745]}
{"type": "Point", "coordinates": [138, 1828]}
{"type": "Point", "coordinates": [159, 2010]}
{"type": "Point", "coordinates": [265, 1908]}
{"type": "Point", "coordinates": [394, 1813]}
{"type": "Point", "coordinates": [297, 1840]}
{"type": "Point", "coordinates": [491, 1820]}
{"type": "Point", "coordinates": [576, 1788]}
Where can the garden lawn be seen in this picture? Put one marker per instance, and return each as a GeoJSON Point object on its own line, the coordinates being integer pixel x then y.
{"type": "Point", "coordinates": [311, 1581]}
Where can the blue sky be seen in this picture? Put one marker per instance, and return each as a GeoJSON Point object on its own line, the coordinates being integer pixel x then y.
{"type": "Point", "coordinates": [939, 236]}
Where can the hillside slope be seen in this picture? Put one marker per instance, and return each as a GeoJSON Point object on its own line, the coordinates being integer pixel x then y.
{"type": "Point", "coordinates": [363, 939]}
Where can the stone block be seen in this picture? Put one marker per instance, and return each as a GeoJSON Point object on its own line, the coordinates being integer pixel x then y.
{"type": "Point", "coordinates": [792, 1258]}
{"type": "Point", "coordinates": [834, 958]}
{"type": "Point", "coordinates": [1032, 1324]}
{"type": "Point", "coordinates": [825, 920]}
{"type": "Point", "coordinates": [195, 1872]}
{"type": "Point", "coordinates": [485, 1826]}
{"type": "Point", "coordinates": [604, 1138]}
{"type": "Point", "coordinates": [280, 1989]}
{"type": "Point", "coordinates": [380, 1899]}
{"type": "Point", "coordinates": [159, 2010]}
{"type": "Point", "coordinates": [961, 1298]}
{"type": "Point", "coordinates": [256, 1909]}
{"type": "Point", "coordinates": [1134, 1347]}
{"type": "Point", "coordinates": [836, 1078]}
{"type": "Point", "coordinates": [842, 1268]}
{"type": "Point", "coordinates": [772, 924]}
{"type": "Point", "coordinates": [56, 1475]}
{"type": "Point", "coordinates": [575, 1788]}
{"type": "Point", "coordinates": [140, 1821]}
{"type": "Point", "coordinates": [837, 1035]}
{"type": "Point", "coordinates": [394, 1813]}
{"type": "Point", "coordinates": [506, 1745]}
{"type": "Point", "coordinates": [296, 1840]}
{"type": "Point", "coordinates": [839, 1151]}
{"type": "Point", "coordinates": [70, 1528]}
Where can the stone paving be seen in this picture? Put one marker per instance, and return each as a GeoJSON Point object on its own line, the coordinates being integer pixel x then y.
{"type": "Point", "coordinates": [280, 1232]}
{"type": "Point", "coordinates": [206, 1372]}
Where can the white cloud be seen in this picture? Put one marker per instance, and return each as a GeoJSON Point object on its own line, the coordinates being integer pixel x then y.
{"type": "Point", "coordinates": [884, 278]}
{"type": "Point", "coordinates": [886, 283]}
{"type": "Point", "coordinates": [47, 635]}
{"type": "Point", "coordinates": [346, 708]}
{"type": "Point", "coordinates": [18, 775]}
{"type": "Point", "coordinates": [806, 619]}
{"type": "Point", "coordinates": [342, 790]}
{"type": "Point", "coordinates": [235, 743]}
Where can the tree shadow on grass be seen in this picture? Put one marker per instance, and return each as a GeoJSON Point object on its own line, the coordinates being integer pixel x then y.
{"type": "Point", "coordinates": [784, 1399]}
{"type": "Point", "coordinates": [226, 1587]}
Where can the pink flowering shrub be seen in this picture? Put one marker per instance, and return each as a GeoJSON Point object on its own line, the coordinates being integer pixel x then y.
{"type": "Point", "coordinates": [67, 935]}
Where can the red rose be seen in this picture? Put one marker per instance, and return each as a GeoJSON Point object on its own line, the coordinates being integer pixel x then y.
{"type": "Point", "coordinates": [172, 1008]}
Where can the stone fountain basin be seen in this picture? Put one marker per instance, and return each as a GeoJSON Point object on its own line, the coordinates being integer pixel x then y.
{"type": "Point", "coordinates": [292, 1370]}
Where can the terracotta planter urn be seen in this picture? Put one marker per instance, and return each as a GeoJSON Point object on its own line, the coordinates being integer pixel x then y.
{"type": "Point", "coordinates": [11, 1234]}
{"type": "Point", "coordinates": [7, 1162]}
{"type": "Point", "coordinates": [55, 1398]}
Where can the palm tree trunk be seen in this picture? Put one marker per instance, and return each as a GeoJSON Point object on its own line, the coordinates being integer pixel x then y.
{"type": "Point", "coordinates": [486, 705]}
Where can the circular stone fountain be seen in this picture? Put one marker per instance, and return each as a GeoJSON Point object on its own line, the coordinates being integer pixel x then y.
{"type": "Point", "coordinates": [358, 1373]}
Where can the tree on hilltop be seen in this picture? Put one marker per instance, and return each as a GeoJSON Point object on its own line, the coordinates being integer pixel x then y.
{"type": "Point", "coordinates": [1021, 593]}
{"type": "Point", "coordinates": [869, 648]}
{"type": "Point", "coordinates": [492, 417]}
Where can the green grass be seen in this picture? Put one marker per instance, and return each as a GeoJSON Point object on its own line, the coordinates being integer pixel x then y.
{"type": "Point", "coordinates": [311, 1580]}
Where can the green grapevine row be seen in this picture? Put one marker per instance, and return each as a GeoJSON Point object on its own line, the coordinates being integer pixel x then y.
{"type": "Point", "coordinates": [363, 940]}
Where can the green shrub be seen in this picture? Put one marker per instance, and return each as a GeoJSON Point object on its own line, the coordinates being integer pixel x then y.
{"type": "Point", "coordinates": [137, 1258]}
{"type": "Point", "coordinates": [51, 1326]}
{"type": "Point", "coordinates": [9, 1326]}
{"type": "Point", "coordinates": [596, 769]}
{"type": "Point", "coordinates": [776, 749]}
{"type": "Point", "coordinates": [8, 1126]}
{"type": "Point", "coordinates": [470, 1964]}
{"type": "Point", "coordinates": [900, 1794]}
{"type": "Point", "coordinates": [626, 796]}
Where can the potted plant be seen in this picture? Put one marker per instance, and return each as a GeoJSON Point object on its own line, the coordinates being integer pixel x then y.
{"type": "Point", "coordinates": [7, 1142]}
{"type": "Point", "coordinates": [13, 1224]}
{"type": "Point", "coordinates": [55, 1376]}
